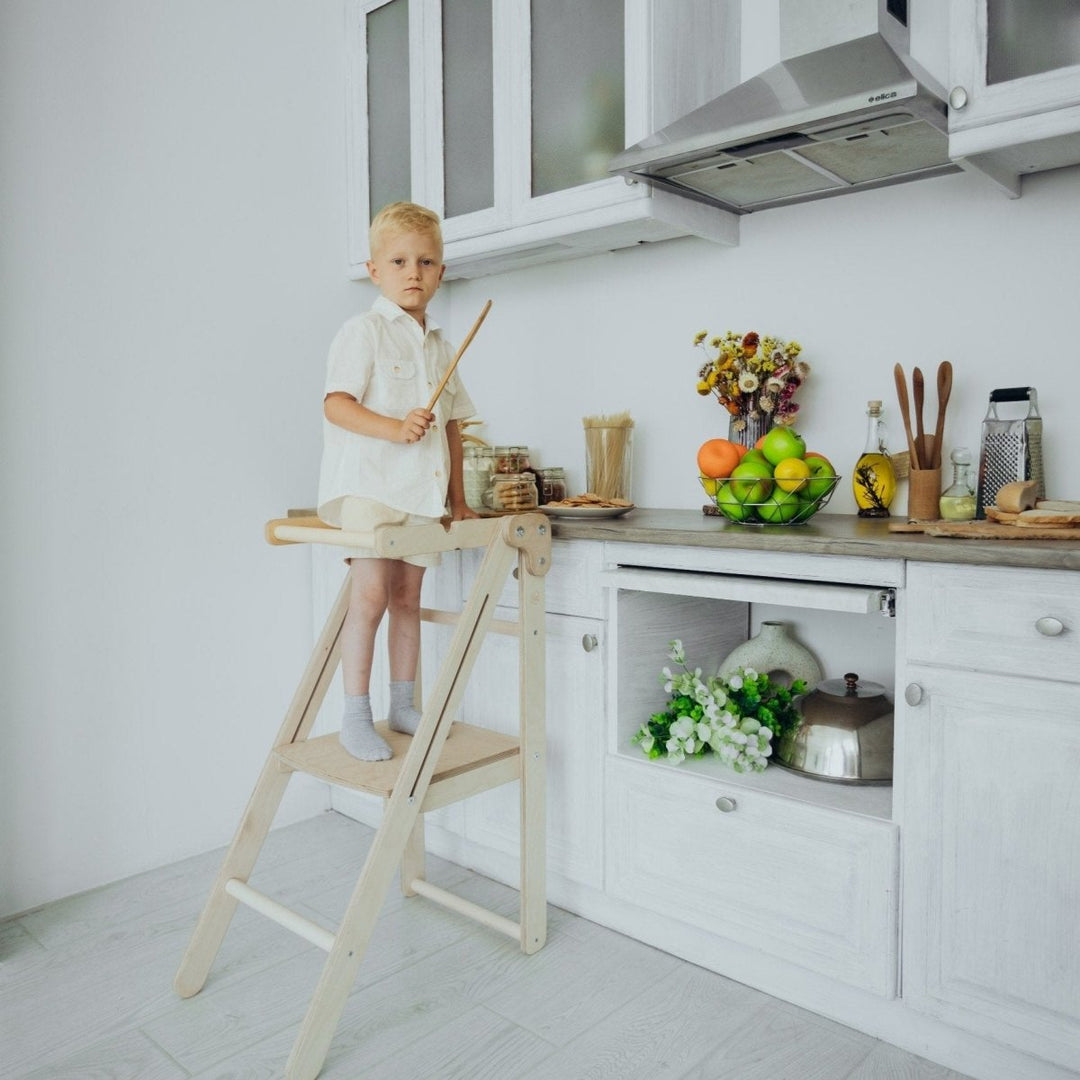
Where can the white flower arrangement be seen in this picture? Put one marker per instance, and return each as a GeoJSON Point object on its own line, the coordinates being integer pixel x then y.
{"type": "Point", "coordinates": [734, 718]}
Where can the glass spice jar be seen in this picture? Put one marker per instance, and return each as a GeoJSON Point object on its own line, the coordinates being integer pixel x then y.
{"type": "Point", "coordinates": [551, 484]}
{"type": "Point", "coordinates": [512, 491]}
{"type": "Point", "coordinates": [477, 467]}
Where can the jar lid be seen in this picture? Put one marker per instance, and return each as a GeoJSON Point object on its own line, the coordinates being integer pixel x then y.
{"type": "Point", "coordinates": [552, 470]}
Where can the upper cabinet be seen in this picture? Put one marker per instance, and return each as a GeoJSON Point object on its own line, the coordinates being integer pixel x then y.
{"type": "Point", "coordinates": [1014, 98]}
{"type": "Point", "coordinates": [502, 116]}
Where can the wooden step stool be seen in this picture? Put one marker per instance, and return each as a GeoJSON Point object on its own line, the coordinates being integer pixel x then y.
{"type": "Point", "coordinates": [425, 773]}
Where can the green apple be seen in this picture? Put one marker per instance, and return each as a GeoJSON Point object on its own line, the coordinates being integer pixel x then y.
{"type": "Point", "coordinates": [754, 455]}
{"type": "Point", "coordinates": [822, 475]}
{"type": "Point", "coordinates": [780, 443]}
{"type": "Point", "coordinates": [781, 506]}
{"type": "Point", "coordinates": [729, 506]}
{"type": "Point", "coordinates": [751, 481]}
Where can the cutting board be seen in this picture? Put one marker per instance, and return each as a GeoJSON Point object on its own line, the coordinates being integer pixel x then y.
{"type": "Point", "coordinates": [991, 530]}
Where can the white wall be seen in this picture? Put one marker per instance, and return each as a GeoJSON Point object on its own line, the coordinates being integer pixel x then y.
{"type": "Point", "coordinates": [172, 254]}
{"type": "Point", "coordinates": [172, 271]}
{"type": "Point", "coordinates": [945, 269]}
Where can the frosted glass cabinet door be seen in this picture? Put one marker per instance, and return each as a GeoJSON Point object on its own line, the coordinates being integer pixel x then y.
{"type": "Point", "coordinates": [389, 160]}
{"type": "Point", "coordinates": [1028, 37]}
{"type": "Point", "coordinates": [468, 107]}
{"type": "Point", "coordinates": [578, 95]}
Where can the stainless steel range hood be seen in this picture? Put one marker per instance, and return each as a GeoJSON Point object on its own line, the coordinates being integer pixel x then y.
{"type": "Point", "coordinates": [855, 113]}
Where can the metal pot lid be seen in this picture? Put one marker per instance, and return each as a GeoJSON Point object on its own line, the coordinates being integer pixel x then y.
{"type": "Point", "coordinates": [849, 689]}
{"type": "Point", "coordinates": [845, 702]}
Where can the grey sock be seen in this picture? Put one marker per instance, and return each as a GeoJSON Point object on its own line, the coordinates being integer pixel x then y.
{"type": "Point", "coordinates": [358, 734]}
{"type": "Point", "coordinates": [403, 714]}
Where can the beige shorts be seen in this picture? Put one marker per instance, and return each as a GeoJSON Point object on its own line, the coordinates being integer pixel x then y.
{"type": "Point", "coordinates": [364, 514]}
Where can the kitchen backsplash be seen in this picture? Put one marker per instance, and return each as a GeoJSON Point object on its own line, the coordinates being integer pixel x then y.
{"type": "Point", "coordinates": [944, 270]}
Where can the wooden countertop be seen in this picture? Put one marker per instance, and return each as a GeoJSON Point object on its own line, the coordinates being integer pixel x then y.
{"type": "Point", "coordinates": [825, 534]}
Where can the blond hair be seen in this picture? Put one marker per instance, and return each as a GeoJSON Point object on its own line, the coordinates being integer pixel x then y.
{"type": "Point", "coordinates": [403, 217]}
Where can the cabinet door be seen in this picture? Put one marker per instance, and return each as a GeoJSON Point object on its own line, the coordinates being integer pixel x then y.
{"type": "Point", "coordinates": [992, 857]}
{"type": "Point", "coordinates": [806, 885]}
{"type": "Point", "coordinates": [1011, 59]}
{"type": "Point", "coordinates": [384, 107]}
{"type": "Point", "coordinates": [575, 736]}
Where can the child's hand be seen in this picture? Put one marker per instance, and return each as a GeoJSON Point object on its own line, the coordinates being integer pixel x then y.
{"type": "Point", "coordinates": [414, 426]}
{"type": "Point", "coordinates": [461, 511]}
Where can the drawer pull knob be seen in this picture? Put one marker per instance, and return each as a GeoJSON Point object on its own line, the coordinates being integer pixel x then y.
{"type": "Point", "coordinates": [958, 97]}
{"type": "Point", "coordinates": [514, 573]}
{"type": "Point", "coordinates": [1049, 626]}
{"type": "Point", "coordinates": [589, 642]}
{"type": "Point", "coordinates": [913, 693]}
{"type": "Point", "coordinates": [725, 804]}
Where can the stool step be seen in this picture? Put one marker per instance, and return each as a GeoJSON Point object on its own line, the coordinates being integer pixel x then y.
{"type": "Point", "coordinates": [468, 750]}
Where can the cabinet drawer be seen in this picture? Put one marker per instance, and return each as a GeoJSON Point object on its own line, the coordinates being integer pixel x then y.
{"type": "Point", "coordinates": [571, 586]}
{"type": "Point", "coordinates": [995, 619]}
{"type": "Point", "coordinates": [814, 887]}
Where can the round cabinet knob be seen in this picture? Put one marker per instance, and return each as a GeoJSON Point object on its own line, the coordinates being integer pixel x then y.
{"type": "Point", "coordinates": [913, 693]}
{"type": "Point", "coordinates": [515, 575]}
{"type": "Point", "coordinates": [958, 97]}
{"type": "Point", "coordinates": [589, 642]}
{"type": "Point", "coordinates": [1049, 626]}
{"type": "Point", "coordinates": [725, 804]}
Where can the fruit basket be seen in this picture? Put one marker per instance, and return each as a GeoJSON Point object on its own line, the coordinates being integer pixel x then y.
{"type": "Point", "coordinates": [766, 502]}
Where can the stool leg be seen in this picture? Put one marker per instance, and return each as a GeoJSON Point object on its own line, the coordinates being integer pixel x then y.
{"type": "Point", "coordinates": [412, 859]}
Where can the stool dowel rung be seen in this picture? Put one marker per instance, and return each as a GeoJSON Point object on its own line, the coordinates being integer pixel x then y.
{"type": "Point", "coordinates": [280, 914]}
{"type": "Point", "coordinates": [466, 907]}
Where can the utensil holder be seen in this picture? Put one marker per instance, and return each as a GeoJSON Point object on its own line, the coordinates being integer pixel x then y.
{"type": "Point", "coordinates": [924, 493]}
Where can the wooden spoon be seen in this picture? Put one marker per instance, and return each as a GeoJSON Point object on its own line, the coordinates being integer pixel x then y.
{"type": "Point", "coordinates": [944, 391]}
{"type": "Point", "coordinates": [905, 412]}
{"type": "Point", "coordinates": [457, 356]}
{"type": "Point", "coordinates": [920, 436]}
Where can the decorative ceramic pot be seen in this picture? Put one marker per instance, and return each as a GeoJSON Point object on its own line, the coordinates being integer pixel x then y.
{"type": "Point", "coordinates": [774, 651]}
{"type": "Point", "coordinates": [752, 428]}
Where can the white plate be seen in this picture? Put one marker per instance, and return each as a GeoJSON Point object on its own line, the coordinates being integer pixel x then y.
{"type": "Point", "coordinates": [586, 511]}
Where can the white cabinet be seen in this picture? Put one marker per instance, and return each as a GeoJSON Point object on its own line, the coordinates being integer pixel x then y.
{"type": "Point", "coordinates": [810, 886]}
{"type": "Point", "coordinates": [1014, 99]}
{"type": "Point", "coordinates": [575, 746]}
{"type": "Point", "coordinates": [502, 116]}
{"type": "Point", "coordinates": [991, 818]}
{"type": "Point", "coordinates": [800, 870]}
{"type": "Point", "coordinates": [576, 649]}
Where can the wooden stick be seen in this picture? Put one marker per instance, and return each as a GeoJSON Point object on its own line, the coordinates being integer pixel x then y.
{"type": "Point", "coordinates": [453, 363]}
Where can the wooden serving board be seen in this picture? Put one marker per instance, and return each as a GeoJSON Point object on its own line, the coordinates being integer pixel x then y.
{"type": "Point", "coordinates": [992, 530]}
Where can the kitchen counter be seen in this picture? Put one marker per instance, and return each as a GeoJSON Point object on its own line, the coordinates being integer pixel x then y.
{"type": "Point", "coordinates": [825, 534]}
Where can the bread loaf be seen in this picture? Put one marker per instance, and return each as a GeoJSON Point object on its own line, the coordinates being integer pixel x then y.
{"type": "Point", "coordinates": [1038, 518]}
{"type": "Point", "coordinates": [1017, 496]}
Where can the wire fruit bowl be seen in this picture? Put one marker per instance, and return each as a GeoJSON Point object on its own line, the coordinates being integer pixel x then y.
{"type": "Point", "coordinates": [766, 503]}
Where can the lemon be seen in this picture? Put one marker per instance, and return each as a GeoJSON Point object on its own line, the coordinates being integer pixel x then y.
{"type": "Point", "coordinates": [791, 474]}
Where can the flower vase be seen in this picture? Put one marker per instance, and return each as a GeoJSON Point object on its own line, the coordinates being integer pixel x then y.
{"type": "Point", "coordinates": [774, 651]}
{"type": "Point", "coordinates": [747, 429]}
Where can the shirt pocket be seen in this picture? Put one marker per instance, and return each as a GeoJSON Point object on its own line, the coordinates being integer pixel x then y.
{"type": "Point", "coordinates": [395, 366]}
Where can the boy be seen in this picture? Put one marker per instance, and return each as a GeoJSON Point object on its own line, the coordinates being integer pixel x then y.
{"type": "Point", "coordinates": [387, 460]}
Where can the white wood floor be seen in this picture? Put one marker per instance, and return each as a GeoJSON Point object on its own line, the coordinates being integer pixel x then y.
{"type": "Point", "coordinates": [85, 990]}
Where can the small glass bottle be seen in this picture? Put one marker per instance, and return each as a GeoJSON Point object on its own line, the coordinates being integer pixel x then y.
{"type": "Point", "coordinates": [874, 480]}
{"type": "Point", "coordinates": [958, 499]}
{"type": "Point", "coordinates": [478, 463]}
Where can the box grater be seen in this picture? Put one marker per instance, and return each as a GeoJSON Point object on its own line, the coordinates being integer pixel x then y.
{"type": "Point", "coordinates": [1011, 449]}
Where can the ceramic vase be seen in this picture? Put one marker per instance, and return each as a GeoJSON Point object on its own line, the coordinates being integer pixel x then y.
{"type": "Point", "coordinates": [775, 652]}
{"type": "Point", "coordinates": [753, 428]}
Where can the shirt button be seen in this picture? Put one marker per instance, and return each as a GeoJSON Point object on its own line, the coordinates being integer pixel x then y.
{"type": "Point", "coordinates": [438, 472]}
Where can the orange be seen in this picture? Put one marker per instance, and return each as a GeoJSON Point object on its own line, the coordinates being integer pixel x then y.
{"type": "Point", "coordinates": [717, 457]}
{"type": "Point", "coordinates": [740, 449]}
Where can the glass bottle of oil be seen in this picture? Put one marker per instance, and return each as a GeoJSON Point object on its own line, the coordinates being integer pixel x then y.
{"type": "Point", "coordinates": [957, 501]}
{"type": "Point", "coordinates": [874, 480]}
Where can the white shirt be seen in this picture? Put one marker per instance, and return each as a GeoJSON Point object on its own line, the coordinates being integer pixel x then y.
{"type": "Point", "coordinates": [390, 365]}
